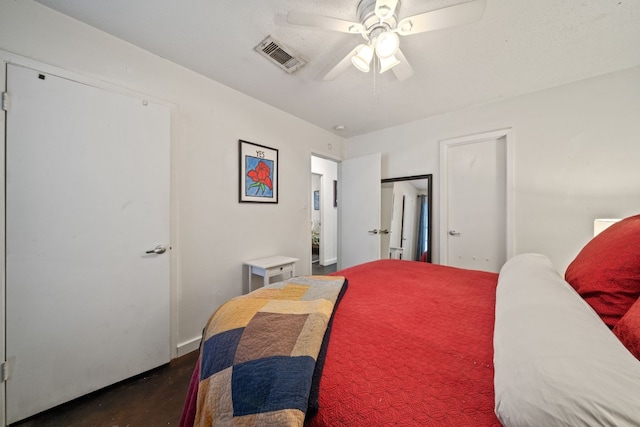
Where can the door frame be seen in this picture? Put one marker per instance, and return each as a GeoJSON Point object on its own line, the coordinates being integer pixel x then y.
{"type": "Point", "coordinates": [320, 214]}
{"type": "Point", "coordinates": [445, 145]}
{"type": "Point", "coordinates": [337, 161]}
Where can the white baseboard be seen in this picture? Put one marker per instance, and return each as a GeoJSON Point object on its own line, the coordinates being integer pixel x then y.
{"type": "Point", "coordinates": [189, 346]}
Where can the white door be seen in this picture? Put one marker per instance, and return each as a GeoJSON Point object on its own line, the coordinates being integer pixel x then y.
{"type": "Point", "coordinates": [359, 210]}
{"type": "Point", "coordinates": [476, 209]}
{"type": "Point", "coordinates": [408, 227]}
{"type": "Point", "coordinates": [395, 231]}
{"type": "Point", "coordinates": [87, 195]}
{"type": "Point", "coordinates": [3, 80]}
{"type": "Point", "coordinates": [386, 215]}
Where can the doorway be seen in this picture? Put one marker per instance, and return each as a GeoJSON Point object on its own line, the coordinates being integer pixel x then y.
{"type": "Point", "coordinates": [324, 216]}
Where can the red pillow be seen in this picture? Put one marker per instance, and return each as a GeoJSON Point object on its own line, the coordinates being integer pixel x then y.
{"type": "Point", "coordinates": [606, 272]}
{"type": "Point", "coordinates": [628, 329]}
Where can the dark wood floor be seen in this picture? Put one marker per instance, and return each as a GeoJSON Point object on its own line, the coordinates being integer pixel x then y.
{"type": "Point", "coordinates": [320, 270]}
{"type": "Point", "coordinates": [154, 398]}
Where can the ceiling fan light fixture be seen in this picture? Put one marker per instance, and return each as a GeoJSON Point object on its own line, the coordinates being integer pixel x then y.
{"type": "Point", "coordinates": [387, 44]}
{"type": "Point", "coordinates": [388, 63]}
{"type": "Point", "coordinates": [362, 59]}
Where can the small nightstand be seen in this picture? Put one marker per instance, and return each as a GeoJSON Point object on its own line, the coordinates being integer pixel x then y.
{"type": "Point", "coordinates": [271, 266]}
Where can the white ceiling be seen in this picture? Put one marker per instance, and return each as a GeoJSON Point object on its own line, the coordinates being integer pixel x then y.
{"type": "Point", "coordinates": [519, 46]}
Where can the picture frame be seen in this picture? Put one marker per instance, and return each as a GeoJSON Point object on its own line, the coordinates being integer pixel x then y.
{"type": "Point", "coordinates": [258, 173]}
{"type": "Point", "coordinates": [316, 200]}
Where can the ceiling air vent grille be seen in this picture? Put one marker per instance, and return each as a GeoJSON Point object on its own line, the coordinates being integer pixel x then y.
{"type": "Point", "coordinates": [283, 56]}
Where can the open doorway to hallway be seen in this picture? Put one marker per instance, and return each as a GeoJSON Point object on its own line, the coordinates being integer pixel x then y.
{"type": "Point", "coordinates": [324, 216]}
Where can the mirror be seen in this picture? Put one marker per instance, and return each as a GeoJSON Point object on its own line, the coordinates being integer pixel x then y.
{"type": "Point", "coordinates": [406, 218]}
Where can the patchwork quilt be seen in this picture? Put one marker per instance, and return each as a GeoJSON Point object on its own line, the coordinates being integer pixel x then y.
{"type": "Point", "coordinates": [262, 353]}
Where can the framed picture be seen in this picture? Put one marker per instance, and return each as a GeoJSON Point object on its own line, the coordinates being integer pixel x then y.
{"type": "Point", "coordinates": [258, 173]}
{"type": "Point", "coordinates": [316, 200]}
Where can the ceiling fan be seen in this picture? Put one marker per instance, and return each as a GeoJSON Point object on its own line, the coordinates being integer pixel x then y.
{"type": "Point", "coordinates": [379, 26]}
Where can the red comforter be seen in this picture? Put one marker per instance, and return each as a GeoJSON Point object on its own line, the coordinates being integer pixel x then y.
{"type": "Point", "coordinates": [411, 345]}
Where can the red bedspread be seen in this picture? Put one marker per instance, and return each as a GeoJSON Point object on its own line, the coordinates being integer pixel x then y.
{"type": "Point", "coordinates": [411, 345]}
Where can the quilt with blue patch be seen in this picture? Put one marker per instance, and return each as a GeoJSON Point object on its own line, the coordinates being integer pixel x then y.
{"type": "Point", "coordinates": [260, 353]}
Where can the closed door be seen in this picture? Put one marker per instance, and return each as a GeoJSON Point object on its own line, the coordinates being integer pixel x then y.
{"type": "Point", "coordinates": [360, 210]}
{"type": "Point", "coordinates": [386, 215]}
{"type": "Point", "coordinates": [476, 204]}
{"type": "Point", "coordinates": [87, 196]}
{"type": "Point", "coordinates": [396, 223]}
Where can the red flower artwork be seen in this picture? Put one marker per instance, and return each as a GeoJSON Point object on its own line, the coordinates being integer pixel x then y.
{"type": "Point", "coordinates": [261, 177]}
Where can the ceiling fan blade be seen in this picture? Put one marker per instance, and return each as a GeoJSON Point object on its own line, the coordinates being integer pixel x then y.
{"type": "Point", "coordinates": [341, 66]}
{"type": "Point", "coordinates": [385, 8]}
{"type": "Point", "coordinates": [403, 70]}
{"type": "Point", "coordinates": [451, 16]}
{"type": "Point", "coordinates": [324, 22]}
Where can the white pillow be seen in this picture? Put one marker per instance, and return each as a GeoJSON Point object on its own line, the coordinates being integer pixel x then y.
{"type": "Point", "coordinates": [556, 362]}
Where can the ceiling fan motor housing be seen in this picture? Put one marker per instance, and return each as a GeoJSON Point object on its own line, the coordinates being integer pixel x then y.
{"type": "Point", "coordinates": [367, 16]}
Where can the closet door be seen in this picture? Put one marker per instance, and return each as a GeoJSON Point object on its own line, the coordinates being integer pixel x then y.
{"type": "Point", "coordinates": [87, 196]}
{"type": "Point", "coordinates": [476, 208]}
{"type": "Point", "coordinates": [3, 88]}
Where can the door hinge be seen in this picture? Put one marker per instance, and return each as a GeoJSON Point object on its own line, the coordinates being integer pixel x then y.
{"type": "Point", "coordinates": [4, 103]}
{"type": "Point", "coordinates": [5, 372]}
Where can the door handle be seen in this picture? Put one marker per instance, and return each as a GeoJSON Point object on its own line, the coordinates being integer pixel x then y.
{"type": "Point", "coordinates": [453, 233]}
{"type": "Point", "coordinates": [157, 250]}
{"type": "Point", "coordinates": [384, 231]}
{"type": "Point", "coordinates": [374, 231]}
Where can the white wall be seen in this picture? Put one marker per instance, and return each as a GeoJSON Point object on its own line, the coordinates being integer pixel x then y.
{"type": "Point", "coordinates": [576, 157]}
{"type": "Point", "coordinates": [329, 229]}
{"type": "Point", "coordinates": [212, 234]}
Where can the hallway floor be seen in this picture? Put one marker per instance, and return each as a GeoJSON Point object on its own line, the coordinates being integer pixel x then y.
{"type": "Point", "coordinates": [319, 270]}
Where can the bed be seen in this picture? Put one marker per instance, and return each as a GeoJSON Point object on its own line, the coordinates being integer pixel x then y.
{"type": "Point", "coordinates": [417, 344]}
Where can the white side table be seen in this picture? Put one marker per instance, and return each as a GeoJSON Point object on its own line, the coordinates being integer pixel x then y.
{"type": "Point", "coordinates": [271, 266]}
{"type": "Point", "coordinates": [396, 253]}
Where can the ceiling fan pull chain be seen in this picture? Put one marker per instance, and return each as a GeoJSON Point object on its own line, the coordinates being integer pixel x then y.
{"type": "Point", "coordinates": [375, 78]}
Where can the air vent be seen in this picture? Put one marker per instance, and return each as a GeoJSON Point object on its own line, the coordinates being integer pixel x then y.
{"type": "Point", "coordinates": [283, 56]}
